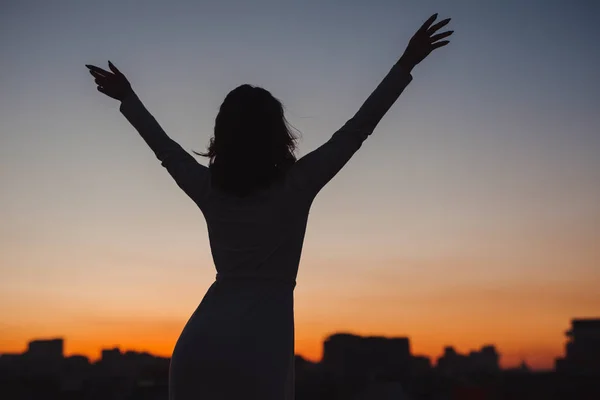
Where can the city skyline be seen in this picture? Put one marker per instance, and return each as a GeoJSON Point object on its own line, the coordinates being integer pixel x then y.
{"type": "Point", "coordinates": [577, 324]}
{"type": "Point", "coordinates": [60, 342]}
{"type": "Point", "coordinates": [470, 216]}
{"type": "Point", "coordinates": [355, 367]}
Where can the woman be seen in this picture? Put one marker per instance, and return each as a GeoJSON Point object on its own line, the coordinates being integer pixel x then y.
{"type": "Point", "coordinates": [255, 197]}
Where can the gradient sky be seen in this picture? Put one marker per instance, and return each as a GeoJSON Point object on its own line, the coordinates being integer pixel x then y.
{"type": "Point", "coordinates": [471, 216]}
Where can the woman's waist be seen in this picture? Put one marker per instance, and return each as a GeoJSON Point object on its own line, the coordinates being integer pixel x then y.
{"type": "Point", "coordinates": [269, 279]}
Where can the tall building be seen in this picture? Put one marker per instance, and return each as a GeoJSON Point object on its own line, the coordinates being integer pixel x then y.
{"type": "Point", "coordinates": [49, 348]}
{"type": "Point", "coordinates": [352, 355]}
{"type": "Point", "coordinates": [582, 350]}
{"type": "Point", "coordinates": [45, 356]}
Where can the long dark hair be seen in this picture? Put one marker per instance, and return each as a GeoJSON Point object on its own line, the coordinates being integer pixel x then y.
{"type": "Point", "coordinates": [253, 145]}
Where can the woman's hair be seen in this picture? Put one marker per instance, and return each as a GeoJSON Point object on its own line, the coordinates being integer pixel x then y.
{"type": "Point", "coordinates": [253, 145]}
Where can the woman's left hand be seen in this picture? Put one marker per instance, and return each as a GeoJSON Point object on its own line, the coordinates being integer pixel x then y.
{"type": "Point", "coordinates": [113, 84]}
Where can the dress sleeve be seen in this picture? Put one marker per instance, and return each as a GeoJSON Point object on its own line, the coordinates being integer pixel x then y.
{"type": "Point", "coordinates": [313, 171]}
{"type": "Point", "coordinates": [189, 175]}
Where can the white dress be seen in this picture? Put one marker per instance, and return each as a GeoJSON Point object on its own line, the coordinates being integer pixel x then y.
{"type": "Point", "coordinates": [239, 343]}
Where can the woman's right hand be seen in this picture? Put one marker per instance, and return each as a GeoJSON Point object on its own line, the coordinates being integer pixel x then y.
{"type": "Point", "coordinates": [113, 84]}
{"type": "Point", "coordinates": [424, 41]}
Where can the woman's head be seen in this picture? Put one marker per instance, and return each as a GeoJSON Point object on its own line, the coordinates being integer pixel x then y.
{"type": "Point", "coordinates": [252, 144]}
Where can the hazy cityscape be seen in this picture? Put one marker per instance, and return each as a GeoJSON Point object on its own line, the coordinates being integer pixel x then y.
{"type": "Point", "coordinates": [352, 367]}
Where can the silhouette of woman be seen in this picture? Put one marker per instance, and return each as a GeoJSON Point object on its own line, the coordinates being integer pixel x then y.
{"type": "Point", "coordinates": [255, 197]}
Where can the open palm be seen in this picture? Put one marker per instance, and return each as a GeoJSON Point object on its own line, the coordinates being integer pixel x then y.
{"type": "Point", "coordinates": [425, 40]}
{"type": "Point", "coordinates": [113, 84]}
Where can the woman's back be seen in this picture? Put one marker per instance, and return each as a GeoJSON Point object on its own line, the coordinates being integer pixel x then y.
{"type": "Point", "coordinates": [258, 236]}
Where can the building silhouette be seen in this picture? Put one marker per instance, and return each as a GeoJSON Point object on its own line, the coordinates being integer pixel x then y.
{"type": "Point", "coordinates": [45, 356]}
{"type": "Point", "coordinates": [46, 349]}
{"type": "Point", "coordinates": [354, 362]}
{"type": "Point", "coordinates": [372, 357]}
{"type": "Point", "coordinates": [352, 368]}
{"type": "Point", "coordinates": [454, 364]}
{"type": "Point", "coordinates": [582, 350]}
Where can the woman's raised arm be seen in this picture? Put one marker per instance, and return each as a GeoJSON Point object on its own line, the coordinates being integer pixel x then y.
{"type": "Point", "coordinates": [313, 171]}
{"type": "Point", "coordinates": [190, 175]}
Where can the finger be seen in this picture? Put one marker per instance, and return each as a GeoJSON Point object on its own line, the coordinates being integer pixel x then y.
{"type": "Point", "coordinates": [439, 36]}
{"type": "Point", "coordinates": [98, 70]}
{"type": "Point", "coordinates": [101, 82]}
{"type": "Point", "coordinates": [427, 23]}
{"type": "Point", "coordinates": [437, 45]}
{"type": "Point", "coordinates": [97, 75]}
{"type": "Point", "coordinates": [114, 69]}
{"type": "Point", "coordinates": [437, 26]}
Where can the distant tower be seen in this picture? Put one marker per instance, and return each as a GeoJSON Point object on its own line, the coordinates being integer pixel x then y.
{"type": "Point", "coordinates": [524, 367]}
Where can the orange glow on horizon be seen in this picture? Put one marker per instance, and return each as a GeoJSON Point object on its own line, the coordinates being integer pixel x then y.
{"type": "Point", "coordinates": [160, 340]}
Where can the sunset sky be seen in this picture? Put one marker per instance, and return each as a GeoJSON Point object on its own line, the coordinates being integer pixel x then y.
{"type": "Point", "coordinates": [471, 215]}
